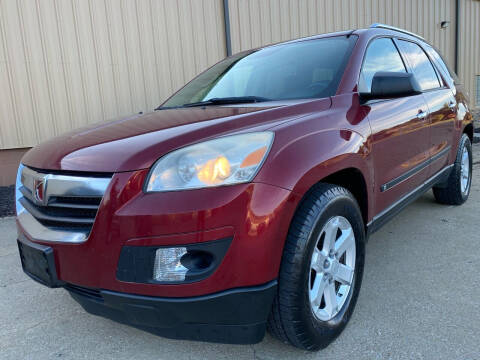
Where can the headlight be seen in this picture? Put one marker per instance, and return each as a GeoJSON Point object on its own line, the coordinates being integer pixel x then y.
{"type": "Point", "coordinates": [227, 160]}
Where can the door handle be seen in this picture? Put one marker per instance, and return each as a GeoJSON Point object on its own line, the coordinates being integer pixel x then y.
{"type": "Point", "coordinates": [452, 105]}
{"type": "Point", "coordinates": [421, 115]}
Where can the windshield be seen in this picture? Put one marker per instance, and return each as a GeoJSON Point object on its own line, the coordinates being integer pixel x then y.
{"type": "Point", "coordinates": [305, 69]}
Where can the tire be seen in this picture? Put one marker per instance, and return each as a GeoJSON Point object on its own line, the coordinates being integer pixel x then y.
{"type": "Point", "coordinates": [295, 317]}
{"type": "Point", "coordinates": [454, 192]}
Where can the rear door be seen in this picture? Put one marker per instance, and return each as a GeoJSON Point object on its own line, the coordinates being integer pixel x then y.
{"type": "Point", "coordinates": [442, 106]}
{"type": "Point", "coordinates": [400, 130]}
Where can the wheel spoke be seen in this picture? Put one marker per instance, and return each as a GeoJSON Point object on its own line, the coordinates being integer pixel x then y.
{"type": "Point", "coordinates": [344, 274]}
{"type": "Point", "coordinates": [317, 290]}
{"type": "Point", "coordinates": [330, 299]}
{"type": "Point", "coordinates": [344, 242]}
{"type": "Point", "coordinates": [317, 260]}
{"type": "Point", "coordinates": [330, 235]}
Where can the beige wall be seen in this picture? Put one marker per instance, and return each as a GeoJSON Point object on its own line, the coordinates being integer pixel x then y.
{"type": "Point", "coordinates": [258, 22]}
{"type": "Point", "coordinates": [67, 63]}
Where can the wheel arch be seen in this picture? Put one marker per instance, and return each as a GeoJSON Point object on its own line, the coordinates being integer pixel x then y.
{"type": "Point", "coordinates": [468, 130]}
{"type": "Point", "coordinates": [353, 180]}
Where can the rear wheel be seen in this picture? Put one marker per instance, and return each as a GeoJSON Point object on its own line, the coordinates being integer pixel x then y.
{"type": "Point", "coordinates": [321, 269]}
{"type": "Point", "coordinates": [457, 188]}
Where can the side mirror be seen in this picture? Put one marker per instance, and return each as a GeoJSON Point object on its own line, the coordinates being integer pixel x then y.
{"type": "Point", "coordinates": [388, 85]}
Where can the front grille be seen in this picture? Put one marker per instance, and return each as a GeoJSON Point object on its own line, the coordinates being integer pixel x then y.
{"type": "Point", "coordinates": [61, 202]}
{"type": "Point", "coordinates": [63, 213]}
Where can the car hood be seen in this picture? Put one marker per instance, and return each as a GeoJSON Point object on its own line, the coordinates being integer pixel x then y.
{"type": "Point", "coordinates": [136, 142]}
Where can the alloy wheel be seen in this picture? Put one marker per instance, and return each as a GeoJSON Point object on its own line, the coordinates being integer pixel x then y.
{"type": "Point", "coordinates": [332, 268]}
{"type": "Point", "coordinates": [465, 171]}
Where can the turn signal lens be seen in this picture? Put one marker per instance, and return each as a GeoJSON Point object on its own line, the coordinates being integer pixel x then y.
{"type": "Point", "coordinates": [254, 158]}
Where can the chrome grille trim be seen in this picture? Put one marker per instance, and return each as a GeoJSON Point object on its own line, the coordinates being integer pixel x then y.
{"type": "Point", "coordinates": [39, 232]}
{"type": "Point", "coordinates": [67, 209]}
{"type": "Point", "coordinates": [64, 185]}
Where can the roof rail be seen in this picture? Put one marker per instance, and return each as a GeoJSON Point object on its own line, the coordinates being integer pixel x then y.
{"type": "Point", "coordinates": [383, 26]}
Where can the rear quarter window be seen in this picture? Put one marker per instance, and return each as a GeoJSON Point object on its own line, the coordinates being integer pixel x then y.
{"type": "Point", "coordinates": [420, 63]}
{"type": "Point", "coordinates": [443, 66]}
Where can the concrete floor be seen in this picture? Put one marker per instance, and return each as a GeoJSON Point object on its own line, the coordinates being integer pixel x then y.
{"type": "Point", "coordinates": [420, 299]}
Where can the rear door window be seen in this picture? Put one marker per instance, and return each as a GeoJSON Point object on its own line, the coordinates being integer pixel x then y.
{"type": "Point", "coordinates": [381, 55]}
{"type": "Point", "coordinates": [420, 63]}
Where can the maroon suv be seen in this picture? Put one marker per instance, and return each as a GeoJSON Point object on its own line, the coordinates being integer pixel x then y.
{"type": "Point", "coordinates": [244, 202]}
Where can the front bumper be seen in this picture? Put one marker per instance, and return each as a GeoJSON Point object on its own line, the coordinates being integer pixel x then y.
{"type": "Point", "coordinates": [255, 216]}
{"type": "Point", "coordinates": [236, 316]}
{"type": "Point", "coordinates": [230, 305]}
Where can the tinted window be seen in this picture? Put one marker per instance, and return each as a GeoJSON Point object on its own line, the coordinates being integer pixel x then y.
{"type": "Point", "coordinates": [305, 69]}
{"type": "Point", "coordinates": [382, 55]}
{"type": "Point", "coordinates": [421, 65]}
{"type": "Point", "coordinates": [443, 65]}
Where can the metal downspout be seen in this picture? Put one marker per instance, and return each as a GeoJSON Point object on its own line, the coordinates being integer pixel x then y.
{"type": "Point", "coordinates": [457, 34]}
{"type": "Point", "coordinates": [228, 38]}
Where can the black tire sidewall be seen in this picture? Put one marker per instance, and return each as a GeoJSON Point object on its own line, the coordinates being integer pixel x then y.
{"type": "Point", "coordinates": [450, 192]}
{"type": "Point", "coordinates": [326, 331]}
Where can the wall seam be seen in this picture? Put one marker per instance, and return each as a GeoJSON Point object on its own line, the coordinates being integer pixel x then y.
{"type": "Point", "coordinates": [155, 51]}
{"type": "Point", "coordinates": [81, 63]}
{"type": "Point", "coordinates": [62, 56]}
{"type": "Point", "coordinates": [9, 74]}
{"type": "Point", "coordinates": [97, 58]}
{"type": "Point", "coordinates": [28, 72]}
{"type": "Point", "coordinates": [142, 60]}
{"type": "Point", "coordinates": [166, 32]}
{"type": "Point", "coordinates": [53, 112]}
{"type": "Point", "coordinates": [127, 58]}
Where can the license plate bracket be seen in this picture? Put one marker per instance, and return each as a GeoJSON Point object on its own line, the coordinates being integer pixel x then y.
{"type": "Point", "coordinates": [38, 262]}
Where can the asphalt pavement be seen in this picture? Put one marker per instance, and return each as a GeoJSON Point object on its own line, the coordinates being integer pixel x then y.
{"type": "Point", "coordinates": [420, 299]}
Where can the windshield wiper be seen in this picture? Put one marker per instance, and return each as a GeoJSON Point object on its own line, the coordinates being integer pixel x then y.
{"type": "Point", "coordinates": [228, 100]}
{"type": "Point", "coordinates": [220, 101]}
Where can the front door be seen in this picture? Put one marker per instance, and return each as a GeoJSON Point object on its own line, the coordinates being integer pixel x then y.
{"type": "Point", "coordinates": [400, 130]}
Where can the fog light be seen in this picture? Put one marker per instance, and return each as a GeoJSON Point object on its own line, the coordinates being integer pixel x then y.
{"type": "Point", "coordinates": [167, 266]}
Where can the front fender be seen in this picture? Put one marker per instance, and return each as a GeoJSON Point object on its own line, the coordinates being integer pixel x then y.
{"type": "Point", "coordinates": [314, 156]}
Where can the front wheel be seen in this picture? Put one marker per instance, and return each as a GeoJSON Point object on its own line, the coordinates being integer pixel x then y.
{"type": "Point", "coordinates": [457, 188]}
{"type": "Point", "coordinates": [321, 270]}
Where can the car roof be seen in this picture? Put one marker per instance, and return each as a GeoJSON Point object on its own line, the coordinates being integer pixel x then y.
{"type": "Point", "coordinates": [385, 30]}
{"type": "Point", "coordinates": [372, 31]}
